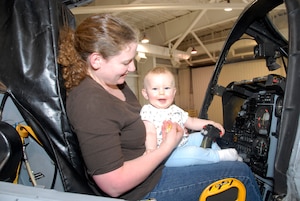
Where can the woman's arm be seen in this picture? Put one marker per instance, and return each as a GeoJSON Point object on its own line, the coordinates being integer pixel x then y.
{"type": "Point", "coordinates": [151, 138]}
{"type": "Point", "coordinates": [135, 171]}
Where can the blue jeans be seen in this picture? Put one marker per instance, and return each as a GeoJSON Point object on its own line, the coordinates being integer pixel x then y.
{"type": "Point", "coordinates": [192, 154]}
{"type": "Point", "coordinates": [187, 183]}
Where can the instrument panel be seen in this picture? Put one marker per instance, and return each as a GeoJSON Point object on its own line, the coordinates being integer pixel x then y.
{"type": "Point", "coordinates": [252, 132]}
{"type": "Point", "coordinates": [253, 129]}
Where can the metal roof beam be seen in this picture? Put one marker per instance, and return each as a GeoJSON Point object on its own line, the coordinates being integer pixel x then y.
{"type": "Point", "coordinates": [162, 6]}
{"type": "Point", "coordinates": [188, 30]}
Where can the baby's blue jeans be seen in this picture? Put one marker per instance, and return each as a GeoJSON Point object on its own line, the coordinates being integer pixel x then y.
{"type": "Point", "coordinates": [192, 154]}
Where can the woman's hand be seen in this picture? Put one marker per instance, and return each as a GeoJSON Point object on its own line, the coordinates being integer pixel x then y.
{"type": "Point", "coordinates": [171, 134]}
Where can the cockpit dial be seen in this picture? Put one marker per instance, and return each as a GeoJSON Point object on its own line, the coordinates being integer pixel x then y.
{"type": "Point", "coordinates": [263, 120]}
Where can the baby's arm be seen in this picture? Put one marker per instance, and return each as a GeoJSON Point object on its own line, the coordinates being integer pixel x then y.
{"type": "Point", "coordinates": [194, 123]}
{"type": "Point", "coordinates": [151, 138]}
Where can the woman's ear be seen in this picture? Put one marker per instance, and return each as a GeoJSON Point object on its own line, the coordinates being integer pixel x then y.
{"type": "Point", "coordinates": [95, 60]}
{"type": "Point", "coordinates": [144, 93]}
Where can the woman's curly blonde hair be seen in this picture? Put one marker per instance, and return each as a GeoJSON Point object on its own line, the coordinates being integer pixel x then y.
{"type": "Point", "coordinates": [104, 34]}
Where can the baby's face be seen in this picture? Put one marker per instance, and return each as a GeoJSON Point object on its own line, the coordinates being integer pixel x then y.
{"type": "Point", "coordinates": [160, 90]}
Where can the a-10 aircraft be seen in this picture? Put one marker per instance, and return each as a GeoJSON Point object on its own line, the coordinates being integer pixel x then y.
{"type": "Point", "coordinates": [260, 114]}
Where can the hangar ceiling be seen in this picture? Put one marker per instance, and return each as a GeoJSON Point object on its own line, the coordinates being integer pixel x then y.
{"type": "Point", "coordinates": [175, 26]}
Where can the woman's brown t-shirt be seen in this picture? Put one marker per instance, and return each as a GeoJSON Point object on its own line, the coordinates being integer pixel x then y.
{"type": "Point", "coordinates": [109, 131]}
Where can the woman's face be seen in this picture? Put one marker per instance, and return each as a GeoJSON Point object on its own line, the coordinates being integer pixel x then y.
{"type": "Point", "coordinates": [113, 71]}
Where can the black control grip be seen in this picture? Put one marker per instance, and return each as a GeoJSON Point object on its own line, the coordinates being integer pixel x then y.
{"type": "Point", "coordinates": [210, 133]}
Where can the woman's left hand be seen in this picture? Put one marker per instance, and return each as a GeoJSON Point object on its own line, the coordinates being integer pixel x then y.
{"type": "Point", "coordinates": [171, 134]}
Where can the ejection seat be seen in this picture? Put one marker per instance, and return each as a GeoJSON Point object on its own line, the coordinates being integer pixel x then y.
{"type": "Point", "coordinates": [30, 78]}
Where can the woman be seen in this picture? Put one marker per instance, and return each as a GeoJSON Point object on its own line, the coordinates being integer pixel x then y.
{"type": "Point", "coordinates": [105, 116]}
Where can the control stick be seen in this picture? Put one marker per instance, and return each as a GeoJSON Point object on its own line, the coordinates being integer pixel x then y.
{"type": "Point", "coordinates": [210, 133]}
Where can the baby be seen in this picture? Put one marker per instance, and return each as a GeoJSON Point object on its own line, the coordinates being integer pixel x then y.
{"type": "Point", "coordinates": [159, 89]}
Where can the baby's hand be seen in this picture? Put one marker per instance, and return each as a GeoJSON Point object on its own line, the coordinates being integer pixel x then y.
{"type": "Point", "coordinates": [220, 127]}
